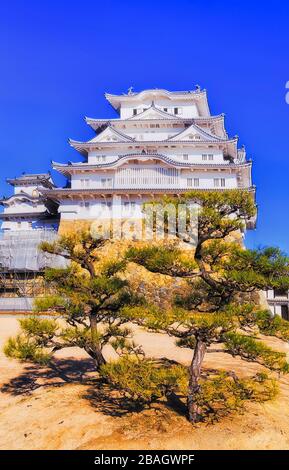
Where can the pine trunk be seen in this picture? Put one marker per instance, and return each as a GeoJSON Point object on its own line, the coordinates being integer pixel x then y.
{"type": "Point", "coordinates": [194, 411]}
{"type": "Point", "coordinates": [95, 346]}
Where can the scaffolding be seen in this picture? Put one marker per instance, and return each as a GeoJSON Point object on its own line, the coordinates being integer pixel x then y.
{"type": "Point", "coordinates": [22, 266]}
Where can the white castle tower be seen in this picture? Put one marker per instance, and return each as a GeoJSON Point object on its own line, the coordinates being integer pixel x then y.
{"type": "Point", "coordinates": [27, 209]}
{"type": "Point", "coordinates": [162, 143]}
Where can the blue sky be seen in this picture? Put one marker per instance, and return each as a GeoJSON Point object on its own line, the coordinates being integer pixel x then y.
{"type": "Point", "coordinates": [58, 58]}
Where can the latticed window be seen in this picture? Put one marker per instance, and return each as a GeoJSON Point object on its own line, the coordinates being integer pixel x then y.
{"type": "Point", "coordinates": [219, 182]}
{"type": "Point", "coordinates": [140, 176]}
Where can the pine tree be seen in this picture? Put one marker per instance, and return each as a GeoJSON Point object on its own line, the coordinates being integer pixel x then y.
{"type": "Point", "coordinates": [222, 277]}
{"type": "Point", "coordinates": [89, 296]}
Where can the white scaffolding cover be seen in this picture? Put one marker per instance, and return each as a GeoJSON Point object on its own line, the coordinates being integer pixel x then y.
{"type": "Point", "coordinates": [19, 250]}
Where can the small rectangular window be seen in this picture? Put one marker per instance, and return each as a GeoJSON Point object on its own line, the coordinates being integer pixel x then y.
{"type": "Point", "coordinates": [216, 182]}
{"type": "Point", "coordinates": [223, 182]}
{"type": "Point", "coordinates": [165, 110]}
{"type": "Point", "coordinates": [185, 156]}
{"type": "Point", "coordinates": [196, 182]}
{"type": "Point", "coordinates": [211, 156]}
{"type": "Point", "coordinates": [204, 156]}
{"type": "Point", "coordinates": [189, 182]}
{"type": "Point", "coordinates": [176, 110]}
{"type": "Point", "coordinates": [135, 112]}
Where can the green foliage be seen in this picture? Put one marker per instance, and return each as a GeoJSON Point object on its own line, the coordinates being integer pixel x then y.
{"type": "Point", "coordinates": [144, 380]}
{"type": "Point", "coordinates": [254, 350]}
{"type": "Point", "coordinates": [111, 267]}
{"type": "Point", "coordinates": [272, 325]}
{"type": "Point", "coordinates": [165, 259]}
{"type": "Point", "coordinates": [262, 268]}
{"type": "Point", "coordinates": [43, 328]}
{"type": "Point", "coordinates": [49, 303]}
{"type": "Point", "coordinates": [25, 349]}
{"type": "Point", "coordinates": [220, 394]}
{"type": "Point", "coordinates": [240, 202]}
{"type": "Point", "coordinates": [220, 274]}
{"type": "Point", "coordinates": [89, 294]}
{"type": "Point", "coordinates": [223, 393]}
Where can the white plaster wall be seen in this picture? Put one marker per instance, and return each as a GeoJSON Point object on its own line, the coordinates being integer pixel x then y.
{"type": "Point", "coordinates": [206, 180]}
{"type": "Point", "coordinates": [188, 109]}
{"type": "Point", "coordinates": [95, 157]}
{"type": "Point", "coordinates": [278, 310]}
{"type": "Point", "coordinates": [270, 294]}
{"type": "Point", "coordinates": [94, 180]}
{"type": "Point", "coordinates": [99, 209]}
{"type": "Point", "coordinates": [153, 133]}
{"type": "Point", "coordinates": [25, 225]}
{"type": "Point", "coordinates": [23, 207]}
{"type": "Point", "coordinates": [194, 156]}
{"type": "Point", "coordinates": [26, 189]}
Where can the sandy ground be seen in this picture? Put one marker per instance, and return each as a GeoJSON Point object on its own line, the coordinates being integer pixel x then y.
{"type": "Point", "coordinates": [39, 410]}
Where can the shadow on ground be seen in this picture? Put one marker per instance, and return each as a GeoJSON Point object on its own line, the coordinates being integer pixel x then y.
{"type": "Point", "coordinates": [61, 372]}
{"type": "Point", "coordinates": [101, 396]}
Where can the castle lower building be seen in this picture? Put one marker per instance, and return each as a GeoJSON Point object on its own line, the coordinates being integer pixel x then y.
{"type": "Point", "coordinates": [28, 208]}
